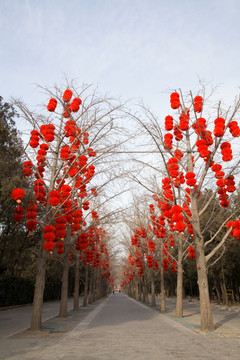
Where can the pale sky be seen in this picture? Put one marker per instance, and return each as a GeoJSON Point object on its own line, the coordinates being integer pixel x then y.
{"type": "Point", "coordinates": [129, 48]}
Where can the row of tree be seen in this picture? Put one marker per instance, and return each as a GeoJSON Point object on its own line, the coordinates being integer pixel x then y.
{"type": "Point", "coordinates": [59, 211]}
{"type": "Point", "coordinates": [185, 220]}
{"type": "Point", "coordinates": [60, 218]}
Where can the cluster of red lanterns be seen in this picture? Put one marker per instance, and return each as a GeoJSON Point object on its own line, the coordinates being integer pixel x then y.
{"type": "Point", "coordinates": [168, 123]}
{"type": "Point", "coordinates": [94, 215]}
{"type": "Point", "coordinates": [235, 225]}
{"type": "Point", "coordinates": [225, 185]}
{"type": "Point", "coordinates": [67, 95]}
{"type": "Point", "coordinates": [94, 192]}
{"type": "Point", "coordinates": [198, 104]}
{"type": "Point", "coordinates": [167, 189]}
{"type": "Point", "coordinates": [54, 198]}
{"type": "Point", "coordinates": [184, 121]}
{"type": "Point", "coordinates": [191, 252]}
{"type": "Point", "coordinates": [151, 246]}
{"type": "Point", "coordinates": [190, 178]}
{"type": "Point", "coordinates": [54, 235]}
{"type": "Point", "coordinates": [219, 127]}
{"type": "Point", "coordinates": [89, 255]}
{"type": "Point", "coordinates": [165, 264]}
{"type": "Point", "coordinates": [173, 167]}
{"type": "Point", "coordinates": [76, 220]}
{"type": "Point", "coordinates": [177, 218]}
{"type": "Point", "coordinates": [65, 153]}
{"type": "Point", "coordinates": [60, 225]}
{"type": "Point", "coordinates": [75, 105]}
{"type": "Point", "coordinates": [167, 141]}
{"type": "Point", "coordinates": [18, 214]}
{"type": "Point", "coordinates": [149, 261]}
{"type": "Point", "coordinates": [199, 126]}
{"type": "Point", "coordinates": [91, 153]}
{"type": "Point", "coordinates": [27, 169]}
{"type": "Point", "coordinates": [31, 216]}
{"type": "Point", "coordinates": [82, 242]}
{"type": "Point", "coordinates": [175, 100]}
{"type": "Point", "coordinates": [226, 151]}
{"type": "Point", "coordinates": [34, 138]}
{"type": "Point", "coordinates": [177, 133]}
{"type": "Point", "coordinates": [49, 237]}
{"type": "Point", "coordinates": [234, 128]}
{"type": "Point", "coordinates": [85, 138]}
{"type": "Point", "coordinates": [52, 104]}
{"type": "Point", "coordinates": [202, 148]}
{"type": "Point", "coordinates": [47, 132]}
{"type": "Point", "coordinates": [39, 191]}
{"type": "Point", "coordinates": [17, 195]}
{"type": "Point", "coordinates": [71, 129]}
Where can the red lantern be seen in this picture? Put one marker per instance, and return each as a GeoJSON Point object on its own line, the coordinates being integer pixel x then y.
{"type": "Point", "coordinates": [198, 102]}
{"type": "Point", "coordinates": [168, 123]}
{"type": "Point", "coordinates": [234, 128]}
{"type": "Point", "coordinates": [175, 100]}
{"type": "Point", "coordinates": [17, 194]}
{"type": "Point", "coordinates": [67, 95]}
{"type": "Point", "coordinates": [18, 216]}
{"type": "Point", "coordinates": [75, 105]}
{"type": "Point", "coordinates": [52, 105]}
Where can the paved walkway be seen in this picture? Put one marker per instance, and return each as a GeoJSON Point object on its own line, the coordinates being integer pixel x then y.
{"type": "Point", "coordinates": [121, 328]}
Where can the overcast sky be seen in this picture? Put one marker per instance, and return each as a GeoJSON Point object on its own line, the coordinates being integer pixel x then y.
{"type": "Point", "coordinates": [130, 48]}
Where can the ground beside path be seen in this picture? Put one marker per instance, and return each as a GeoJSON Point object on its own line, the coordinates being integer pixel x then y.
{"type": "Point", "coordinates": [121, 328]}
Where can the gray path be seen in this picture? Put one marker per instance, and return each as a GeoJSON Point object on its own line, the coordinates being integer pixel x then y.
{"type": "Point", "coordinates": [15, 320]}
{"type": "Point", "coordinates": [121, 328]}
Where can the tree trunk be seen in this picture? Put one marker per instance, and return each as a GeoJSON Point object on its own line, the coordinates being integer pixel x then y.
{"type": "Point", "coordinates": [36, 322]}
{"type": "Point", "coordinates": [217, 291]}
{"type": "Point", "coordinates": [90, 293]}
{"type": "Point", "coordinates": [64, 289]}
{"type": "Point", "coordinates": [76, 284]}
{"type": "Point", "coordinates": [136, 289]}
{"type": "Point", "coordinates": [179, 301]}
{"type": "Point", "coordinates": [153, 298]}
{"type": "Point", "coordinates": [98, 285]}
{"type": "Point", "coordinates": [145, 290]}
{"type": "Point", "coordinates": [85, 295]}
{"type": "Point", "coordinates": [139, 289]}
{"type": "Point", "coordinates": [205, 305]}
{"type": "Point", "coordinates": [223, 287]}
{"type": "Point", "coordinates": [94, 285]}
{"type": "Point", "coordinates": [163, 298]}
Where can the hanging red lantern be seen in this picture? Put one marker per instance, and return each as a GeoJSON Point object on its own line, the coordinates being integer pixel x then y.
{"type": "Point", "coordinates": [91, 153]}
{"type": "Point", "coordinates": [177, 133]}
{"type": "Point", "coordinates": [190, 176]}
{"type": "Point", "coordinates": [75, 105]}
{"type": "Point", "coordinates": [18, 194]}
{"type": "Point", "coordinates": [199, 126]}
{"type": "Point", "coordinates": [175, 100]}
{"type": "Point", "coordinates": [219, 127]}
{"type": "Point", "coordinates": [49, 237]}
{"type": "Point", "coordinates": [168, 123]}
{"type": "Point", "coordinates": [31, 225]}
{"type": "Point", "coordinates": [168, 141]}
{"type": "Point", "coordinates": [52, 105]}
{"type": "Point", "coordinates": [198, 102]}
{"type": "Point", "coordinates": [184, 122]}
{"type": "Point", "coordinates": [67, 95]}
{"type": "Point", "coordinates": [18, 214]}
{"type": "Point", "coordinates": [234, 128]}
